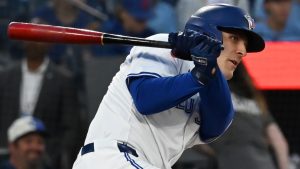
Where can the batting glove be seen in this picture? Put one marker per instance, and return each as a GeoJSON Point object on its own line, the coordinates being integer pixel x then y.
{"type": "Point", "coordinates": [201, 49]}
{"type": "Point", "coordinates": [205, 56]}
{"type": "Point", "coordinates": [182, 42]}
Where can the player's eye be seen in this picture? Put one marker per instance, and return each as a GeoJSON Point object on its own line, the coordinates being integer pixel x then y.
{"type": "Point", "coordinates": [234, 37]}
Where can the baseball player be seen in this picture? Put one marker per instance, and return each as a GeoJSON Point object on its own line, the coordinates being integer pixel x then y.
{"type": "Point", "coordinates": [160, 103]}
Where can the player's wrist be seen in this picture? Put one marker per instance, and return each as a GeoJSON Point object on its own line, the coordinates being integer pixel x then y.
{"type": "Point", "coordinates": [202, 77]}
{"type": "Point", "coordinates": [199, 76]}
{"type": "Point", "coordinates": [204, 70]}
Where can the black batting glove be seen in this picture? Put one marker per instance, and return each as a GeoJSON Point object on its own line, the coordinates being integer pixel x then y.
{"type": "Point", "coordinates": [182, 42]}
{"type": "Point", "coordinates": [205, 56]}
{"type": "Point", "coordinates": [200, 48]}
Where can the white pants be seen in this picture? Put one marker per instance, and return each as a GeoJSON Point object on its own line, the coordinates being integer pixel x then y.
{"type": "Point", "coordinates": [106, 155]}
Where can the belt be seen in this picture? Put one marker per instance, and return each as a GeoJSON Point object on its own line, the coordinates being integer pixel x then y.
{"type": "Point", "coordinates": [123, 147]}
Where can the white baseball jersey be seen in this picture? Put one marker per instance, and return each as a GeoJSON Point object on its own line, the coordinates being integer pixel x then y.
{"type": "Point", "coordinates": [159, 138]}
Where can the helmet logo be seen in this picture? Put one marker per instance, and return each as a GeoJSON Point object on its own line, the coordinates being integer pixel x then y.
{"type": "Point", "coordinates": [251, 24]}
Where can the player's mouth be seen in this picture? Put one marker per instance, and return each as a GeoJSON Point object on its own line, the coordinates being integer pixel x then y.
{"type": "Point", "coordinates": [234, 62]}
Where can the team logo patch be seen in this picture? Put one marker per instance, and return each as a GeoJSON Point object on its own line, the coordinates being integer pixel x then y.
{"type": "Point", "coordinates": [251, 24]}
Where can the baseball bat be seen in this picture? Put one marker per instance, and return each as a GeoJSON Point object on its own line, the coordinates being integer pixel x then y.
{"type": "Point", "coordinates": [59, 34]}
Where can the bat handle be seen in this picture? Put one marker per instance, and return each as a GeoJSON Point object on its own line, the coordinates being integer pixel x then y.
{"type": "Point", "coordinates": [126, 40]}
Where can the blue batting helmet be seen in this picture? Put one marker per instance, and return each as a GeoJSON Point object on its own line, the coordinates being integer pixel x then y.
{"type": "Point", "coordinates": [212, 19]}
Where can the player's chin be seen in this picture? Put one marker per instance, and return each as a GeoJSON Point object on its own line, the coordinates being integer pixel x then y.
{"type": "Point", "coordinates": [228, 74]}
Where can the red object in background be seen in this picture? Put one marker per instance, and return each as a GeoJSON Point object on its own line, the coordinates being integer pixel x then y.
{"type": "Point", "coordinates": [275, 68]}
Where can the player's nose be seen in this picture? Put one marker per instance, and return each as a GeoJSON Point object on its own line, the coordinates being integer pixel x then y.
{"type": "Point", "coordinates": [241, 49]}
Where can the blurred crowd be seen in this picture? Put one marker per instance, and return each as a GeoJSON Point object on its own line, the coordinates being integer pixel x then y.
{"type": "Point", "coordinates": [44, 112]}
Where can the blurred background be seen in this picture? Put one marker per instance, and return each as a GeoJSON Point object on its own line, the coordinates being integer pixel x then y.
{"type": "Point", "coordinates": [63, 84]}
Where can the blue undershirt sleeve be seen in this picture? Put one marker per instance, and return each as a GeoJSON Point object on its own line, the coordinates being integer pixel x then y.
{"type": "Point", "coordinates": [216, 109]}
{"type": "Point", "coordinates": [152, 95]}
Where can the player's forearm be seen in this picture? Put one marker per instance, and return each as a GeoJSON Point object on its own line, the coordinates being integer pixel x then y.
{"type": "Point", "coordinates": [153, 95]}
{"type": "Point", "coordinates": [216, 109]}
{"type": "Point", "coordinates": [279, 145]}
{"type": "Point", "coordinates": [282, 159]}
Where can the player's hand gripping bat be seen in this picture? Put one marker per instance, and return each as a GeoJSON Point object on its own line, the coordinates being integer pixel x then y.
{"type": "Point", "coordinates": [59, 34]}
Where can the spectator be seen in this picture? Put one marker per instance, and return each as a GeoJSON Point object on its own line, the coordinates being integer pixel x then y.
{"type": "Point", "coordinates": [107, 7]}
{"type": "Point", "coordinates": [253, 132]}
{"type": "Point", "coordinates": [198, 157]}
{"type": "Point", "coordinates": [258, 13]}
{"type": "Point", "coordinates": [36, 86]}
{"type": "Point", "coordinates": [171, 2]}
{"type": "Point", "coordinates": [244, 4]}
{"type": "Point", "coordinates": [185, 8]}
{"type": "Point", "coordinates": [16, 11]}
{"type": "Point", "coordinates": [64, 13]}
{"type": "Point", "coordinates": [293, 23]}
{"type": "Point", "coordinates": [26, 137]}
{"type": "Point", "coordinates": [130, 19]}
{"type": "Point", "coordinates": [278, 25]}
{"type": "Point", "coordinates": [165, 17]}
